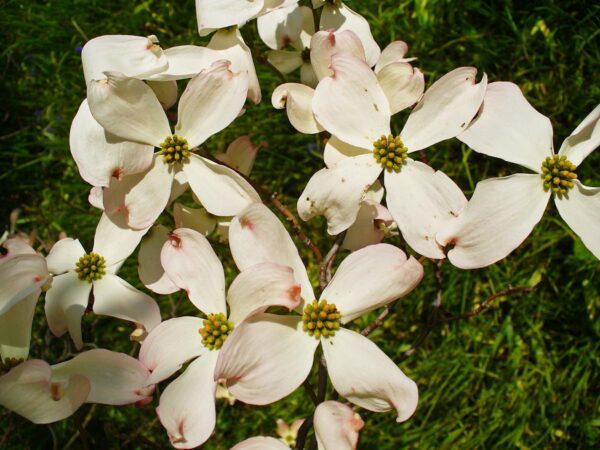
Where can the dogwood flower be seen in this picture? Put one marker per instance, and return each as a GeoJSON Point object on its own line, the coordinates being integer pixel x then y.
{"type": "Point", "coordinates": [288, 432]}
{"type": "Point", "coordinates": [128, 108]}
{"type": "Point", "coordinates": [43, 393]}
{"type": "Point", "coordinates": [268, 356]}
{"type": "Point", "coordinates": [337, 16]}
{"type": "Point", "coordinates": [336, 428]}
{"type": "Point", "coordinates": [23, 276]}
{"type": "Point", "coordinates": [352, 105]}
{"type": "Point", "coordinates": [187, 406]}
{"type": "Point", "coordinates": [78, 273]}
{"type": "Point", "coordinates": [503, 211]}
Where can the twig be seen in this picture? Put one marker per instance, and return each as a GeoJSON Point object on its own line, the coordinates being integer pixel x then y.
{"type": "Point", "coordinates": [81, 429]}
{"type": "Point", "coordinates": [486, 304]}
{"type": "Point", "coordinates": [380, 319]}
{"type": "Point", "coordinates": [303, 432]}
{"type": "Point", "coordinates": [327, 262]}
{"type": "Point", "coordinates": [265, 62]}
{"type": "Point", "coordinates": [481, 308]}
{"type": "Point", "coordinates": [54, 440]}
{"type": "Point", "coordinates": [308, 387]}
{"type": "Point", "coordinates": [322, 380]}
{"type": "Point", "coordinates": [295, 225]}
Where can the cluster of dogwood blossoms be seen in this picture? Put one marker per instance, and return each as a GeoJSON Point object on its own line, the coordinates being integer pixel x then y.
{"type": "Point", "coordinates": [138, 165]}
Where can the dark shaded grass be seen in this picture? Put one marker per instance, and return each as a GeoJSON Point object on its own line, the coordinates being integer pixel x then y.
{"type": "Point", "coordinates": [523, 374]}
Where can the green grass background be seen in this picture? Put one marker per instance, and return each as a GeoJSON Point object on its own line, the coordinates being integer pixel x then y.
{"type": "Point", "coordinates": [524, 374]}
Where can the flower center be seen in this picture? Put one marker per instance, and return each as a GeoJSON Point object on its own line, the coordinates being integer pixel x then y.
{"type": "Point", "coordinates": [390, 152]}
{"type": "Point", "coordinates": [306, 55]}
{"type": "Point", "coordinates": [215, 331]}
{"type": "Point", "coordinates": [91, 267]}
{"type": "Point", "coordinates": [558, 174]}
{"type": "Point", "coordinates": [9, 363]}
{"type": "Point", "coordinates": [334, 2]}
{"type": "Point", "coordinates": [321, 319]}
{"type": "Point", "coordinates": [174, 149]}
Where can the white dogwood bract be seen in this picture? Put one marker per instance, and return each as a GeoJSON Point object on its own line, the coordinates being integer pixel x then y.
{"type": "Point", "coordinates": [261, 443]}
{"type": "Point", "coordinates": [101, 156]}
{"type": "Point", "coordinates": [43, 393]}
{"type": "Point", "coordinates": [261, 373]}
{"type": "Point", "coordinates": [134, 56]}
{"type": "Point", "coordinates": [336, 426]}
{"type": "Point", "coordinates": [281, 26]}
{"type": "Point", "coordinates": [503, 211]}
{"type": "Point", "coordinates": [187, 408]}
{"type": "Point", "coordinates": [23, 276]}
{"type": "Point", "coordinates": [337, 16]}
{"type": "Point", "coordinates": [297, 98]}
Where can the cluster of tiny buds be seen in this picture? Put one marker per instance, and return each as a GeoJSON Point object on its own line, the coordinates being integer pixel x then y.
{"type": "Point", "coordinates": [390, 152]}
{"type": "Point", "coordinates": [321, 319]}
{"type": "Point", "coordinates": [91, 267]}
{"type": "Point", "coordinates": [215, 331]}
{"type": "Point", "coordinates": [174, 149]}
{"type": "Point", "coordinates": [558, 174]}
{"type": "Point", "coordinates": [9, 363]}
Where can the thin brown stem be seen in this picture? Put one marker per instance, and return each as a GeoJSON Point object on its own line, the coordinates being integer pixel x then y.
{"type": "Point", "coordinates": [303, 433]}
{"type": "Point", "coordinates": [486, 304]}
{"type": "Point", "coordinates": [322, 380]}
{"type": "Point", "coordinates": [441, 320]}
{"type": "Point", "coordinates": [327, 262]}
{"type": "Point", "coordinates": [310, 390]}
{"type": "Point", "coordinates": [379, 320]}
{"type": "Point", "coordinates": [295, 225]}
{"type": "Point", "coordinates": [265, 62]}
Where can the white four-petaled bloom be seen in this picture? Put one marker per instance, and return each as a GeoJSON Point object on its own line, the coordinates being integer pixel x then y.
{"type": "Point", "coordinates": [187, 406]}
{"type": "Point", "coordinates": [503, 211]}
{"type": "Point", "coordinates": [128, 108]}
{"type": "Point", "coordinates": [353, 106]}
{"type": "Point", "coordinates": [268, 356]}
{"type": "Point", "coordinates": [78, 273]}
